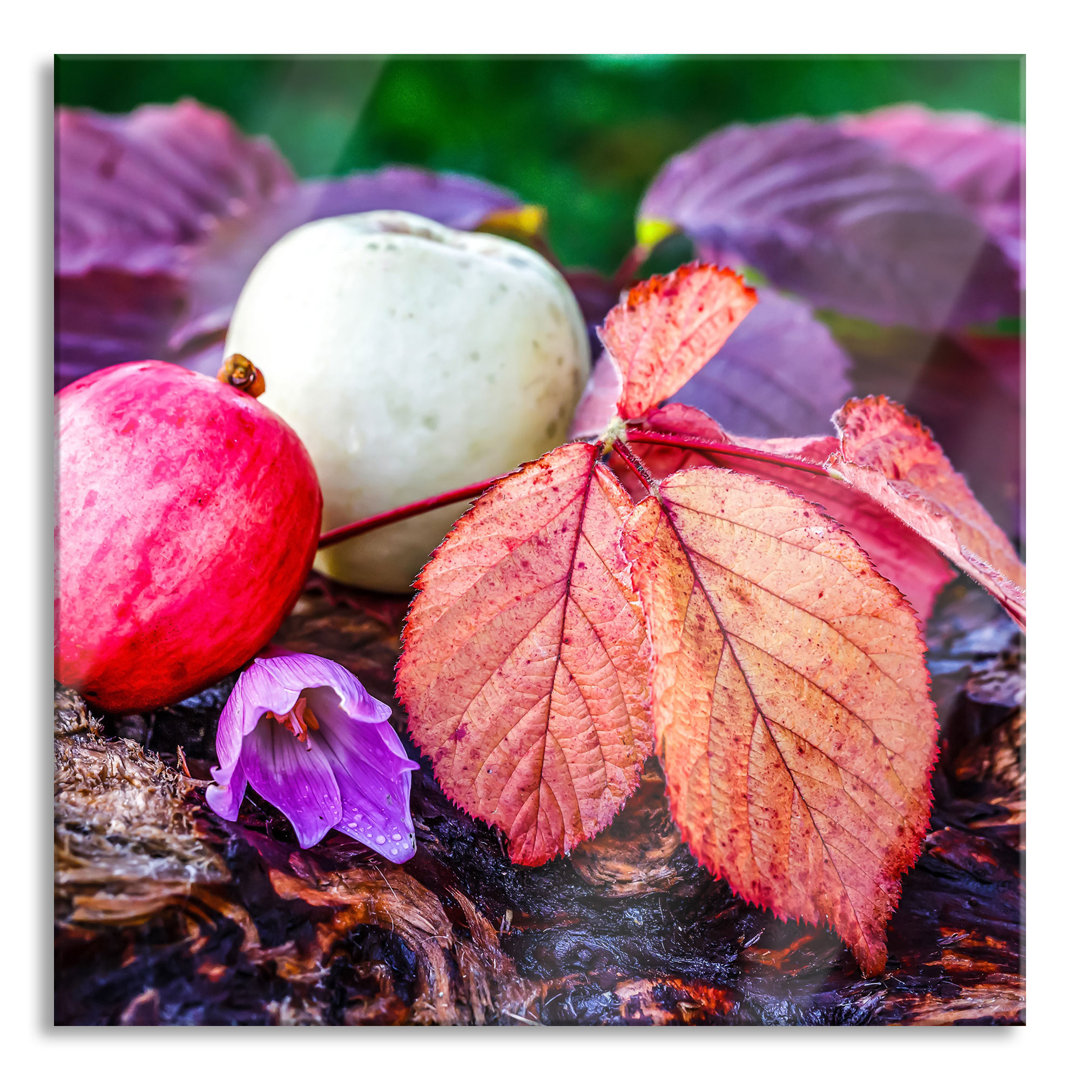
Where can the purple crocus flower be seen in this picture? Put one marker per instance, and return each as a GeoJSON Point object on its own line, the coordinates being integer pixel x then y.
{"type": "Point", "coordinates": [307, 736]}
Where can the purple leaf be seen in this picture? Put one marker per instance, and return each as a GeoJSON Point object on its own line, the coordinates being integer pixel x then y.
{"type": "Point", "coordinates": [780, 371]}
{"type": "Point", "coordinates": [978, 160]}
{"type": "Point", "coordinates": [831, 217]}
{"type": "Point", "coordinates": [132, 190]}
{"type": "Point", "coordinates": [161, 214]}
{"type": "Point", "coordinates": [107, 316]}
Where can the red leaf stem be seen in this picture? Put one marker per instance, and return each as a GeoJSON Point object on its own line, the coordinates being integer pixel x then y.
{"type": "Point", "coordinates": [689, 442]}
{"type": "Point", "coordinates": [685, 442]}
{"type": "Point", "coordinates": [388, 517]}
{"type": "Point", "coordinates": [627, 272]}
{"type": "Point", "coordinates": [637, 466]}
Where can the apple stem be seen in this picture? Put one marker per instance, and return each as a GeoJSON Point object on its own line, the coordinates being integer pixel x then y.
{"type": "Point", "coordinates": [237, 370]}
{"type": "Point", "coordinates": [388, 517]}
{"type": "Point", "coordinates": [691, 442]}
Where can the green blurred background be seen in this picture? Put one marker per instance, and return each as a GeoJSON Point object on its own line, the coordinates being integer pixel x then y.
{"type": "Point", "coordinates": [582, 136]}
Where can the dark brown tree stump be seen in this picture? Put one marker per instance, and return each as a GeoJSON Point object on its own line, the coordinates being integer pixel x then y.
{"type": "Point", "coordinates": [167, 915]}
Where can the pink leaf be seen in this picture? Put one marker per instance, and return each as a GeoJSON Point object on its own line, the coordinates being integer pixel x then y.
{"type": "Point", "coordinates": [912, 564]}
{"type": "Point", "coordinates": [667, 328]}
{"type": "Point", "coordinates": [887, 454]}
{"type": "Point", "coordinates": [598, 404]}
{"type": "Point", "coordinates": [790, 698]}
{"type": "Point", "coordinates": [523, 668]}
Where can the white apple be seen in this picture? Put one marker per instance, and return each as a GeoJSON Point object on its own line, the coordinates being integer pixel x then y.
{"type": "Point", "coordinates": [411, 359]}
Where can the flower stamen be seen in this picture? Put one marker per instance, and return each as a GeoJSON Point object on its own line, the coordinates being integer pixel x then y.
{"type": "Point", "coordinates": [299, 719]}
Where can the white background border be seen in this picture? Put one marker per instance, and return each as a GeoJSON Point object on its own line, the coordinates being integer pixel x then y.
{"type": "Point", "coordinates": [36, 32]}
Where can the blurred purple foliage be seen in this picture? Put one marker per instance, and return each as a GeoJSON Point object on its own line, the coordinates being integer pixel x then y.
{"type": "Point", "coordinates": [979, 161]}
{"type": "Point", "coordinates": [162, 214]}
{"type": "Point", "coordinates": [838, 220]}
{"type": "Point", "coordinates": [780, 373]}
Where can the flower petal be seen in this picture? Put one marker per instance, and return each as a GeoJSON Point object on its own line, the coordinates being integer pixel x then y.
{"type": "Point", "coordinates": [373, 775]}
{"type": "Point", "coordinates": [259, 690]}
{"type": "Point", "coordinates": [294, 673]}
{"type": "Point", "coordinates": [295, 777]}
{"type": "Point", "coordinates": [352, 773]}
{"type": "Point", "coordinates": [226, 794]}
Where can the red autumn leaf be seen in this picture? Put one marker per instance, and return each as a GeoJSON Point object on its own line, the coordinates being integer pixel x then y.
{"type": "Point", "coordinates": [887, 454]}
{"type": "Point", "coordinates": [790, 700]}
{"type": "Point", "coordinates": [967, 390]}
{"type": "Point", "coordinates": [524, 660]}
{"type": "Point", "coordinates": [912, 564]}
{"type": "Point", "coordinates": [668, 327]}
{"type": "Point", "coordinates": [780, 371]}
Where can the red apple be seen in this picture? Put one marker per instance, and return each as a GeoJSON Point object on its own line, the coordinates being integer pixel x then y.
{"type": "Point", "coordinates": [187, 519]}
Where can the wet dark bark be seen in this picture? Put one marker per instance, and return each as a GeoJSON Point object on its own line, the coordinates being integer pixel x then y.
{"type": "Point", "coordinates": [167, 915]}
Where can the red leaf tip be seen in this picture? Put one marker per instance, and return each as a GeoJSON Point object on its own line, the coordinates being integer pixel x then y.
{"type": "Point", "coordinates": [665, 329]}
{"type": "Point", "coordinates": [889, 455]}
